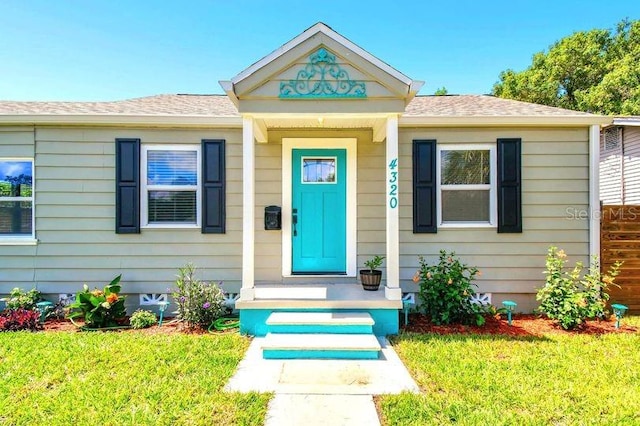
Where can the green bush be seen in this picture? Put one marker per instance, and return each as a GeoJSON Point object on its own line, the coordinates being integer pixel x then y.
{"type": "Point", "coordinates": [142, 319]}
{"type": "Point", "coordinates": [568, 298]}
{"type": "Point", "coordinates": [199, 303]}
{"type": "Point", "coordinates": [100, 308]}
{"type": "Point", "coordinates": [446, 289]}
{"type": "Point", "coordinates": [19, 299]}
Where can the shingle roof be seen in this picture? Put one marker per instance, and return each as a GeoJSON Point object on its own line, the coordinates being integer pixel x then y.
{"type": "Point", "coordinates": [221, 106]}
{"type": "Point", "coordinates": [480, 106]}
{"type": "Point", "coordinates": [162, 105]}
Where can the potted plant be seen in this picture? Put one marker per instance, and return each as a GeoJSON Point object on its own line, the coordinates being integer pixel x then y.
{"type": "Point", "coordinates": [371, 277]}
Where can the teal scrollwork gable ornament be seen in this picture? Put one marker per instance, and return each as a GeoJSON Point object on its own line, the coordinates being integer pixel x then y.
{"type": "Point", "coordinates": [322, 77]}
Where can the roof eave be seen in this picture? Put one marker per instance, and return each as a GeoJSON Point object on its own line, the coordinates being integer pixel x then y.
{"type": "Point", "coordinates": [126, 120]}
{"type": "Point", "coordinates": [626, 121]}
{"type": "Point", "coordinates": [229, 89]}
{"type": "Point", "coordinates": [423, 121]}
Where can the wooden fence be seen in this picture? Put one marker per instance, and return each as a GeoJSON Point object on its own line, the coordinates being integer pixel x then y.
{"type": "Point", "coordinates": [620, 241]}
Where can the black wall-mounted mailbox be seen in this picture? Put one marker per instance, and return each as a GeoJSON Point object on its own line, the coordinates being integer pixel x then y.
{"type": "Point", "coordinates": [272, 218]}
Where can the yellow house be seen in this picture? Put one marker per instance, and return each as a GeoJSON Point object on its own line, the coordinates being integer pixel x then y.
{"type": "Point", "coordinates": [318, 157]}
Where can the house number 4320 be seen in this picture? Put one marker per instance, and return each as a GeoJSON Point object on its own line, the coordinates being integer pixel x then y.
{"type": "Point", "coordinates": [393, 183]}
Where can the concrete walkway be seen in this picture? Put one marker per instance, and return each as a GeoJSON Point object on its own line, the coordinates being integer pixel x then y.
{"type": "Point", "coordinates": [319, 392]}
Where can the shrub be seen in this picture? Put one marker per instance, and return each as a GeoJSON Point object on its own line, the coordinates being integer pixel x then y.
{"type": "Point", "coordinates": [569, 299]}
{"type": "Point", "coordinates": [20, 319]}
{"type": "Point", "coordinates": [199, 303]}
{"type": "Point", "coordinates": [58, 311]}
{"type": "Point", "coordinates": [142, 319]}
{"type": "Point", "coordinates": [19, 299]}
{"type": "Point", "coordinates": [99, 308]}
{"type": "Point", "coordinates": [445, 291]}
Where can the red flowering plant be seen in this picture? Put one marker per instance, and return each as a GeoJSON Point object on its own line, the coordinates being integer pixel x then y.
{"type": "Point", "coordinates": [445, 291]}
{"type": "Point", "coordinates": [100, 308]}
{"type": "Point", "coordinates": [20, 319]}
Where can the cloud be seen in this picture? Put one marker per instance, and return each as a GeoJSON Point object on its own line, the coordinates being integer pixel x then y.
{"type": "Point", "coordinates": [14, 168]}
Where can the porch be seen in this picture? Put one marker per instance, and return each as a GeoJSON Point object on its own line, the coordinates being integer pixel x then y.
{"type": "Point", "coordinates": [318, 116]}
{"type": "Point", "coordinates": [317, 297]}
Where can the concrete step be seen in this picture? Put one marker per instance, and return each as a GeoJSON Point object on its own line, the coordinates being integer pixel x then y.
{"type": "Point", "coordinates": [320, 346]}
{"type": "Point", "coordinates": [337, 322]}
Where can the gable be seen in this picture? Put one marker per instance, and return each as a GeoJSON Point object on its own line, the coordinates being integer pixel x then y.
{"type": "Point", "coordinates": [322, 74]}
{"type": "Point", "coordinates": [320, 71]}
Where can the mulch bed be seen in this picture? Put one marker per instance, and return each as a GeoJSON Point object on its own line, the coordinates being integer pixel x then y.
{"type": "Point", "coordinates": [168, 327]}
{"type": "Point", "coordinates": [522, 325]}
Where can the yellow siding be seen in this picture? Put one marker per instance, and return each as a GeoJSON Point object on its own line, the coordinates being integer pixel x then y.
{"type": "Point", "coordinates": [75, 211]}
{"type": "Point", "coordinates": [555, 184]}
{"type": "Point", "coordinates": [16, 142]}
{"type": "Point", "coordinates": [75, 217]}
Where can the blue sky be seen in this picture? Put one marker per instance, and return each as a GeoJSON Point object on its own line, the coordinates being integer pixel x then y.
{"type": "Point", "coordinates": [87, 50]}
{"type": "Point", "coordinates": [14, 169]}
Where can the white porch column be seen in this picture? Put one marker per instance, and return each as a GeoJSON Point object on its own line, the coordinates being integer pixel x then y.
{"type": "Point", "coordinates": [248, 209]}
{"type": "Point", "coordinates": [392, 291]}
{"type": "Point", "coordinates": [594, 191]}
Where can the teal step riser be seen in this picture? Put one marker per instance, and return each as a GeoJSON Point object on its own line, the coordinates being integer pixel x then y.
{"type": "Point", "coordinates": [320, 329]}
{"type": "Point", "coordinates": [317, 354]}
{"type": "Point", "coordinates": [254, 321]}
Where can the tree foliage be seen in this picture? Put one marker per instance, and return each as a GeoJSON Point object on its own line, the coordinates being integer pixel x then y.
{"type": "Point", "coordinates": [442, 91]}
{"type": "Point", "coordinates": [596, 71]}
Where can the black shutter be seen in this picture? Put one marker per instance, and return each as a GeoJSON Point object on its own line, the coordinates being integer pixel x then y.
{"type": "Point", "coordinates": [509, 186]}
{"type": "Point", "coordinates": [213, 187]}
{"type": "Point", "coordinates": [127, 186]}
{"type": "Point", "coordinates": [424, 186]}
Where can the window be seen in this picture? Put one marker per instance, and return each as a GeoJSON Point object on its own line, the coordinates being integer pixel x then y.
{"type": "Point", "coordinates": [170, 186]}
{"type": "Point", "coordinates": [318, 170]}
{"type": "Point", "coordinates": [466, 185]}
{"type": "Point", "coordinates": [16, 199]}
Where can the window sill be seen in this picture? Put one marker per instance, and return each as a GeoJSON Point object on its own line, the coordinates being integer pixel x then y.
{"type": "Point", "coordinates": [463, 225]}
{"type": "Point", "coordinates": [171, 226]}
{"type": "Point", "coordinates": [18, 241]}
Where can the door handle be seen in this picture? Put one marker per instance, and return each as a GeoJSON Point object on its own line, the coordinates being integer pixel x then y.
{"type": "Point", "coordinates": [294, 220]}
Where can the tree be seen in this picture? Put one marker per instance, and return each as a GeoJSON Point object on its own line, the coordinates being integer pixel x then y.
{"type": "Point", "coordinates": [442, 91]}
{"type": "Point", "coordinates": [596, 71]}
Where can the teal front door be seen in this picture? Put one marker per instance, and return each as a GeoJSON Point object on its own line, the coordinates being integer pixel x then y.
{"type": "Point", "coordinates": [319, 207]}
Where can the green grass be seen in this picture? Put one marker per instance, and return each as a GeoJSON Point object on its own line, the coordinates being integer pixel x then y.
{"type": "Point", "coordinates": [123, 379]}
{"type": "Point", "coordinates": [494, 380]}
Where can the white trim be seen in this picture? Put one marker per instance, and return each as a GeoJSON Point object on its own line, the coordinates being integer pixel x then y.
{"type": "Point", "coordinates": [260, 131]}
{"type": "Point", "coordinates": [307, 34]}
{"type": "Point", "coordinates": [392, 289]}
{"type": "Point", "coordinates": [495, 120]}
{"type": "Point", "coordinates": [627, 121]}
{"type": "Point", "coordinates": [155, 120]}
{"type": "Point", "coordinates": [248, 210]}
{"type": "Point", "coordinates": [144, 187]}
{"type": "Point", "coordinates": [492, 186]}
{"type": "Point", "coordinates": [379, 130]}
{"type": "Point", "coordinates": [351, 145]}
{"type": "Point", "coordinates": [216, 121]}
{"type": "Point", "coordinates": [594, 190]}
{"type": "Point", "coordinates": [12, 239]}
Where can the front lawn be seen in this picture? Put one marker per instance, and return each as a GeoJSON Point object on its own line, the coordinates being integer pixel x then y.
{"type": "Point", "coordinates": [558, 378]}
{"type": "Point", "coordinates": [123, 378]}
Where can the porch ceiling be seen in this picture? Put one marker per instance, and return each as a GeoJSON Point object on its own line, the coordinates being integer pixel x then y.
{"type": "Point", "coordinates": [375, 122]}
{"type": "Point", "coordinates": [322, 121]}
